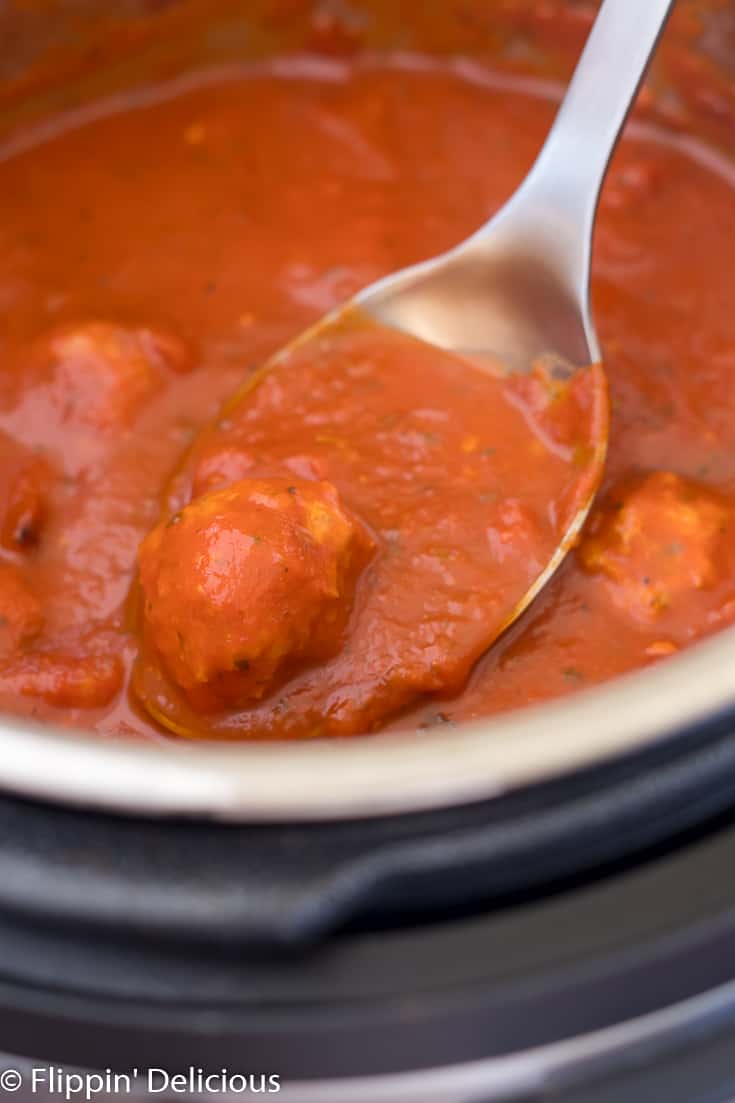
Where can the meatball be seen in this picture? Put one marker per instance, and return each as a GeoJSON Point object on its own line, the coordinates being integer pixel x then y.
{"type": "Point", "coordinates": [21, 617]}
{"type": "Point", "coordinates": [80, 385]}
{"type": "Point", "coordinates": [99, 373]}
{"type": "Point", "coordinates": [245, 582]}
{"type": "Point", "coordinates": [657, 539]}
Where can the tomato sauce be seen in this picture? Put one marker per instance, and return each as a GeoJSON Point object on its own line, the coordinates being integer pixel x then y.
{"type": "Point", "coordinates": [156, 254]}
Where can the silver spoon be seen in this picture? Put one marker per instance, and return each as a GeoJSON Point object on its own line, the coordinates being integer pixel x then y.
{"type": "Point", "coordinates": [518, 288]}
{"type": "Point", "coordinates": [517, 291]}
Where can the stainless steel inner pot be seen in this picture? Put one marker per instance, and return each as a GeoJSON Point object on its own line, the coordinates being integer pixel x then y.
{"type": "Point", "coordinates": [380, 774]}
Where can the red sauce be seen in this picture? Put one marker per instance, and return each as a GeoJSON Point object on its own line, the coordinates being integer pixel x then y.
{"type": "Point", "coordinates": [156, 255]}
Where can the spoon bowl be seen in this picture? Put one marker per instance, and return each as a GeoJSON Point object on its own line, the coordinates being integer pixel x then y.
{"type": "Point", "coordinates": [500, 294]}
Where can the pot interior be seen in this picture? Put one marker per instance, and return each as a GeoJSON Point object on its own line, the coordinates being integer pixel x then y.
{"type": "Point", "coordinates": [70, 58]}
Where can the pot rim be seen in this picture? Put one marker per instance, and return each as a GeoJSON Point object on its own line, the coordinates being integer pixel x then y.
{"type": "Point", "coordinates": [374, 775]}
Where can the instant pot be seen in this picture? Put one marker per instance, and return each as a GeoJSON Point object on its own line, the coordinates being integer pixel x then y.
{"type": "Point", "coordinates": [537, 907]}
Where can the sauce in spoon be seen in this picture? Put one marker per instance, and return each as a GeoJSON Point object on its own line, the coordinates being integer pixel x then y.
{"type": "Point", "coordinates": [465, 478]}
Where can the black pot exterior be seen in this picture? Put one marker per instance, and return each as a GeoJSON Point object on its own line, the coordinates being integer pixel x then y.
{"type": "Point", "coordinates": [379, 1003]}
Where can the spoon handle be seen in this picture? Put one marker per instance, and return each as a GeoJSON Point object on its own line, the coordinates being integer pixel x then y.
{"type": "Point", "coordinates": [577, 152]}
{"type": "Point", "coordinates": [552, 215]}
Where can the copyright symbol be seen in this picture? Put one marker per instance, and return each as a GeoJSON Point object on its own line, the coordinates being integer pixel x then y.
{"type": "Point", "coordinates": [10, 1080]}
